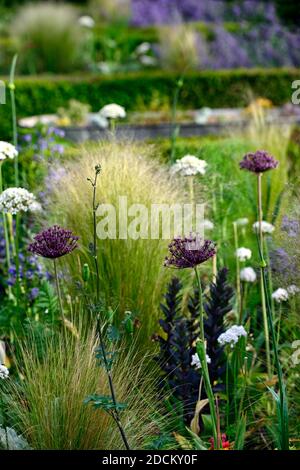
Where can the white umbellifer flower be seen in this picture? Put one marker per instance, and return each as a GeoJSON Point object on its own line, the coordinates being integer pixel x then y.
{"type": "Point", "coordinates": [265, 227]}
{"type": "Point", "coordinates": [196, 361]}
{"type": "Point", "coordinates": [293, 290]}
{"type": "Point", "coordinates": [143, 48]}
{"type": "Point", "coordinates": [7, 151]}
{"type": "Point", "coordinates": [14, 200]}
{"type": "Point", "coordinates": [242, 222]}
{"type": "Point", "coordinates": [280, 295]}
{"type": "Point", "coordinates": [243, 254]}
{"type": "Point", "coordinates": [113, 111]}
{"type": "Point", "coordinates": [86, 21]}
{"type": "Point", "coordinates": [248, 274]}
{"type": "Point", "coordinates": [4, 372]}
{"type": "Point", "coordinates": [232, 335]}
{"type": "Point", "coordinates": [189, 165]}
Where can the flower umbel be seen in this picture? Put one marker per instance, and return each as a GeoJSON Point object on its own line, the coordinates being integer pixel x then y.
{"type": "Point", "coordinates": [232, 335]}
{"type": "Point", "coordinates": [14, 200]}
{"type": "Point", "coordinates": [54, 242]}
{"type": "Point", "coordinates": [265, 227]}
{"type": "Point", "coordinates": [280, 295]}
{"type": "Point", "coordinates": [7, 150]}
{"type": "Point", "coordinates": [258, 162]}
{"type": "Point", "coordinates": [4, 372]}
{"type": "Point", "coordinates": [188, 252]}
{"type": "Point", "coordinates": [189, 165]}
{"type": "Point", "coordinates": [243, 254]}
{"type": "Point", "coordinates": [248, 274]}
{"type": "Point", "coordinates": [113, 111]}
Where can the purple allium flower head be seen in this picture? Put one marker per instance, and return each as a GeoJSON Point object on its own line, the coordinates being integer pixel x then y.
{"type": "Point", "coordinates": [53, 242]}
{"type": "Point", "coordinates": [188, 252]}
{"type": "Point", "coordinates": [258, 162]}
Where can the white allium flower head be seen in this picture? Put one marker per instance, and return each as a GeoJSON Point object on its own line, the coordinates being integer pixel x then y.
{"type": "Point", "coordinates": [280, 295]}
{"type": "Point", "coordinates": [143, 48]}
{"type": "Point", "coordinates": [243, 254]}
{"type": "Point", "coordinates": [196, 361]}
{"type": "Point", "coordinates": [113, 111]}
{"type": "Point", "coordinates": [4, 372]}
{"type": "Point", "coordinates": [293, 289]}
{"type": "Point", "coordinates": [7, 151]}
{"type": "Point", "coordinates": [242, 222]}
{"type": "Point", "coordinates": [265, 227]}
{"type": "Point", "coordinates": [14, 200]}
{"type": "Point", "coordinates": [86, 21]}
{"type": "Point", "coordinates": [232, 335]}
{"type": "Point", "coordinates": [189, 165]}
{"type": "Point", "coordinates": [248, 274]}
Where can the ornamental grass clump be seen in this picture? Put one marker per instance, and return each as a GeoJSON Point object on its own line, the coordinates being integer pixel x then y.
{"type": "Point", "coordinates": [48, 37]}
{"type": "Point", "coordinates": [47, 405]}
{"type": "Point", "coordinates": [130, 271]}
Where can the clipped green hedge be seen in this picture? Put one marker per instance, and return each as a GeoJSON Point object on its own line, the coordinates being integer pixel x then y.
{"type": "Point", "coordinates": [137, 90]}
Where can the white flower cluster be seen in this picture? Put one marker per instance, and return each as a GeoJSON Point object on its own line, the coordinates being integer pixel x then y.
{"type": "Point", "coordinates": [243, 254]}
{"type": "Point", "coordinates": [14, 200]}
{"type": "Point", "coordinates": [86, 21]}
{"type": "Point", "coordinates": [265, 227]}
{"type": "Point", "coordinates": [280, 295]}
{"type": "Point", "coordinates": [189, 165]}
{"type": "Point", "coordinates": [7, 151]}
{"type": "Point", "coordinates": [248, 274]}
{"type": "Point", "coordinates": [4, 372]}
{"type": "Point", "coordinates": [113, 111]}
{"type": "Point", "coordinates": [232, 335]}
{"type": "Point", "coordinates": [293, 290]}
{"type": "Point", "coordinates": [196, 361]}
{"type": "Point", "coordinates": [242, 222]}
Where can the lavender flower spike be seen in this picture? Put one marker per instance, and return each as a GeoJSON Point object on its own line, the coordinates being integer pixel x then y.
{"type": "Point", "coordinates": [188, 252]}
{"type": "Point", "coordinates": [258, 162]}
{"type": "Point", "coordinates": [53, 242]}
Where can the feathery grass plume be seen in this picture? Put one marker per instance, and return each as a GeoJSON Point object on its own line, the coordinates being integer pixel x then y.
{"type": "Point", "coordinates": [131, 271]}
{"type": "Point", "coordinates": [48, 408]}
{"type": "Point", "coordinates": [48, 37]}
{"type": "Point", "coordinates": [178, 47]}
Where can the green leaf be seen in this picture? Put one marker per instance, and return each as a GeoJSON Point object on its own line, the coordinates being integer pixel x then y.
{"type": "Point", "coordinates": [109, 356]}
{"type": "Point", "coordinates": [104, 402]}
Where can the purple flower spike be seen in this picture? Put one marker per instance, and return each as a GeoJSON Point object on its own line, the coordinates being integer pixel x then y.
{"type": "Point", "coordinates": [258, 162]}
{"type": "Point", "coordinates": [53, 242]}
{"type": "Point", "coordinates": [188, 252]}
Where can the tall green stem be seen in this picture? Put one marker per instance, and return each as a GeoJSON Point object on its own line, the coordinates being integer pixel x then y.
{"type": "Point", "coordinates": [17, 260]}
{"type": "Point", "coordinates": [58, 291]}
{"type": "Point", "coordinates": [204, 366]}
{"type": "Point", "coordinates": [283, 406]}
{"type": "Point", "coordinates": [12, 88]}
{"type": "Point", "coordinates": [116, 414]}
{"type": "Point", "coordinates": [238, 280]}
{"type": "Point", "coordinates": [5, 229]}
{"type": "Point", "coordinates": [263, 296]}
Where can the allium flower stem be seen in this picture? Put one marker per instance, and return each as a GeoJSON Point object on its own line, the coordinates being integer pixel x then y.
{"type": "Point", "coordinates": [204, 366]}
{"type": "Point", "coordinates": [238, 280]}
{"type": "Point", "coordinates": [5, 229]}
{"type": "Point", "coordinates": [17, 260]}
{"type": "Point", "coordinates": [58, 291]}
{"type": "Point", "coordinates": [12, 87]}
{"type": "Point", "coordinates": [263, 296]}
{"type": "Point", "coordinates": [268, 323]}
